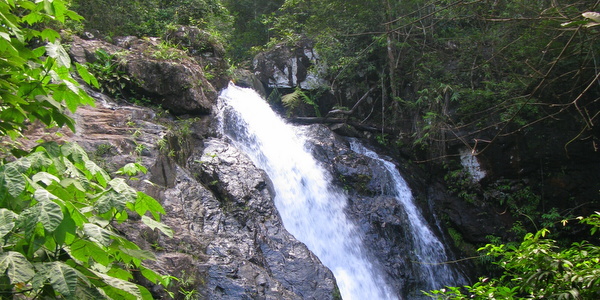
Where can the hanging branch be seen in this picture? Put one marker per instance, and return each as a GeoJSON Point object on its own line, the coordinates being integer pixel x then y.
{"type": "Point", "coordinates": [351, 111]}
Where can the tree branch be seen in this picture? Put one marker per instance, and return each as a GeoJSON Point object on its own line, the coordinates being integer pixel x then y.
{"type": "Point", "coordinates": [351, 111]}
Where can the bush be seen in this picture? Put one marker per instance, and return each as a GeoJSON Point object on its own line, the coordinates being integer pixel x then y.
{"type": "Point", "coordinates": [538, 268]}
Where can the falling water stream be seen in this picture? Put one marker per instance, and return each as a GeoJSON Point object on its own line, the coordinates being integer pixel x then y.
{"type": "Point", "coordinates": [430, 254]}
{"type": "Point", "coordinates": [311, 208]}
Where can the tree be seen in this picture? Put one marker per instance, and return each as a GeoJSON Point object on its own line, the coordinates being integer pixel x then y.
{"type": "Point", "coordinates": [250, 29]}
{"type": "Point", "coordinates": [57, 207]}
{"type": "Point", "coordinates": [151, 17]}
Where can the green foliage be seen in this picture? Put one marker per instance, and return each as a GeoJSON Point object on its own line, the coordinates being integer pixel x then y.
{"type": "Point", "coordinates": [56, 211]}
{"type": "Point", "coordinates": [109, 71]}
{"type": "Point", "coordinates": [57, 207]}
{"type": "Point", "coordinates": [538, 269]}
{"type": "Point", "coordinates": [151, 17]}
{"type": "Point", "coordinates": [36, 83]}
{"type": "Point", "coordinates": [167, 51]}
{"type": "Point", "coordinates": [461, 183]}
{"type": "Point", "coordinates": [294, 100]}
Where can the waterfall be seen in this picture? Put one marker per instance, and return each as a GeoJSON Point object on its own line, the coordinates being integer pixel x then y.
{"type": "Point", "coordinates": [311, 208]}
{"type": "Point", "coordinates": [430, 254]}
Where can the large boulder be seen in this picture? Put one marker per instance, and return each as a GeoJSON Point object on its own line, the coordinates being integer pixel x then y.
{"type": "Point", "coordinates": [204, 48]}
{"type": "Point", "coordinates": [178, 84]}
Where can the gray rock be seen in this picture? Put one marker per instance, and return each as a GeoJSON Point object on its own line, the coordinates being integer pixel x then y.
{"type": "Point", "coordinates": [290, 66]}
{"type": "Point", "coordinates": [280, 266]}
{"type": "Point", "coordinates": [178, 85]}
{"type": "Point", "coordinates": [245, 78]}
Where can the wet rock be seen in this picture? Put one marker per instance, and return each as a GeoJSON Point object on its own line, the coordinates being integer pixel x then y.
{"type": "Point", "coordinates": [276, 261]}
{"type": "Point", "coordinates": [382, 218]}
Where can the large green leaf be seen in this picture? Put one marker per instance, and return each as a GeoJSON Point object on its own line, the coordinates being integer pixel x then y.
{"type": "Point", "coordinates": [85, 292]}
{"type": "Point", "coordinates": [84, 250]}
{"type": "Point", "coordinates": [111, 199]}
{"type": "Point", "coordinates": [66, 232]}
{"type": "Point", "coordinates": [16, 266]}
{"type": "Point", "coordinates": [13, 179]}
{"type": "Point", "coordinates": [146, 203]}
{"type": "Point", "coordinates": [98, 173]}
{"type": "Point", "coordinates": [56, 51]}
{"type": "Point", "coordinates": [86, 75]}
{"type": "Point", "coordinates": [50, 214]}
{"type": "Point", "coordinates": [98, 234]}
{"type": "Point", "coordinates": [131, 290]}
{"type": "Point", "coordinates": [162, 227]}
{"type": "Point", "coordinates": [151, 275]}
{"type": "Point", "coordinates": [119, 185]}
{"type": "Point", "coordinates": [59, 275]}
{"type": "Point", "coordinates": [43, 195]}
{"type": "Point", "coordinates": [138, 254]}
{"type": "Point", "coordinates": [45, 178]}
{"type": "Point", "coordinates": [7, 221]}
{"type": "Point", "coordinates": [75, 152]}
{"type": "Point", "coordinates": [28, 220]}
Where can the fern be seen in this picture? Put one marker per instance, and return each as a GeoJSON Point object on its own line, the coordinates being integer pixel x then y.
{"type": "Point", "coordinates": [293, 100]}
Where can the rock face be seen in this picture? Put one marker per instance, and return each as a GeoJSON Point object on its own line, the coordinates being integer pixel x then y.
{"type": "Point", "coordinates": [229, 240]}
{"type": "Point", "coordinates": [177, 84]}
{"type": "Point", "coordinates": [290, 66]}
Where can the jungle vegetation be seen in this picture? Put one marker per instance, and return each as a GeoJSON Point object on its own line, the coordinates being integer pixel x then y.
{"type": "Point", "coordinates": [443, 73]}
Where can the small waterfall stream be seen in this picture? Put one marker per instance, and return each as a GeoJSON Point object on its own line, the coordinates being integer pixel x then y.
{"type": "Point", "coordinates": [430, 253]}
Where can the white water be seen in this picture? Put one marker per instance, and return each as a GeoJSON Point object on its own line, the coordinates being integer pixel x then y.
{"type": "Point", "coordinates": [311, 208]}
{"type": "Point", "coordinates": [431, 257]}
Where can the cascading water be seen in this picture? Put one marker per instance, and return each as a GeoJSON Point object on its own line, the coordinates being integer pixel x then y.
{"type": "Point", "coordinates": [310, 207]}
{"type": "Point", "coordinates": [429, 252]}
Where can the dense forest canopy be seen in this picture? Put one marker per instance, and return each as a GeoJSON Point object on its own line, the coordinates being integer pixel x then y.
{"type": "Point", "coordinates": [442, 74]}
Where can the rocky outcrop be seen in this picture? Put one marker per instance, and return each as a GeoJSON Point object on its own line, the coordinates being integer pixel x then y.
{"type": "Point", "coordinates": [275, 265]}
{"type": "Point", "coordinates": [290, 66]}
{"type": "Point", "coordinates": [229, 241]}
{"type": "Point", "coordinates": [204, 48]}
{"type": "Point", "coordinates": [177, 83]}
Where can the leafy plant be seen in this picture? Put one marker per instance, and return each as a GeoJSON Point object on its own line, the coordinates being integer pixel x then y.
{"type": "Point", "coordinates": [36, 83]}
{"type": "Point", "coordinates": [167, 51]}
{"type": "Point", "coordinates": [57, 208]}
{"type": "Point", "coordinates": [109, 71]}
{"type": "Point", "coordinates": [293, 100]}
{"type": "Point", "coordinates": [538, 269]}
